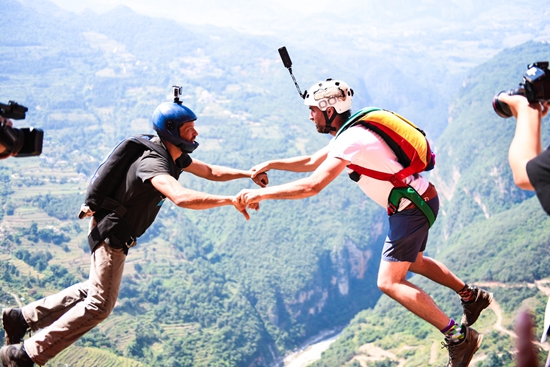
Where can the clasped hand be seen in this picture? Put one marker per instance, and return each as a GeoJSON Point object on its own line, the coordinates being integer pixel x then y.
{"type": "Point", "coordinates": [244, 200]}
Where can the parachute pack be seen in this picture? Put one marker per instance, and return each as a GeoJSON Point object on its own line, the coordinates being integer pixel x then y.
{"type": "Point", "coordinates": [110, 173]}
{"type": "Point", "coordinates": [409, 144]}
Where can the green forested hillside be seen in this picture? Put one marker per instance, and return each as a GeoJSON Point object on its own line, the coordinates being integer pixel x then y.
{"type": "Point", "coordinates": [489, 233]}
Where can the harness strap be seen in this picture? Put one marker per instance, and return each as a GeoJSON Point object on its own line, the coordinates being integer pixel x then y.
{"type": "Point", "coordinates": [114, 206]}
{"type": "Point", "coordinates": [397, 193]}
{"type": "Point", "coordinates": [397, 179]}
{"type": "Point", "coordinates": [400, 190]}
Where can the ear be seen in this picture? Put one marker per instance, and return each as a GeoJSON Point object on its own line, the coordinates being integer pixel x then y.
{"type": "Point", "coordinates": [331, 111]}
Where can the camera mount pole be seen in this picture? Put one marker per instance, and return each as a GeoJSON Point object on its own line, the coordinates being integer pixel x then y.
{"type": "Point", "coordinates": [288, 64]}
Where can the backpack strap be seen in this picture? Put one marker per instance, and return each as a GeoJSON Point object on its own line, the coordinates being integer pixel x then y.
{"type": "Point", "coordinates": [355, 118]}
{"type": "Point", "coordinates": [114, 206]}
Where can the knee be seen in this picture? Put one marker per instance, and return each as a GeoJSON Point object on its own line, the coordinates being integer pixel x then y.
{"type": "Point", "coordinates": [385, 285]}
{"type": "Point", "coordinates": [100, 310]}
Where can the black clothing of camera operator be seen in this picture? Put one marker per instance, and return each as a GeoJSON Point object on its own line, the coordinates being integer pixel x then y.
{"type": "Point", "coordinates": [538, 171]}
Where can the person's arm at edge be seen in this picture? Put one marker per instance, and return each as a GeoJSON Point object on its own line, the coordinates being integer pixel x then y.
{"type": "Point", "coordinates": [526, 143]}
{"type": "Point", "coordinates": [299, 189]}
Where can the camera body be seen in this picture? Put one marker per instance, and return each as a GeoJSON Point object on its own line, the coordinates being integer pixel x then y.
{"type": "Point", "coordinates": [535, 87]}
{"type": "Point", "coordinates": [24, 142]}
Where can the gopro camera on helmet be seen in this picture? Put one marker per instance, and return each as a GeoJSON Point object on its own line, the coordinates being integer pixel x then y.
{"type": "Point", "coordinates": [176, 90]}
{"type": "Point", "coordinates": [535, 87]}
{"type": "Point", "coordinates": [24, 142]}
{"type": "Point", "coordinates": [168, 118]}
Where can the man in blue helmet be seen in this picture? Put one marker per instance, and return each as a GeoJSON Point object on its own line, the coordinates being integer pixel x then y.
{"type": "Point", "coordinates": [61, 319]}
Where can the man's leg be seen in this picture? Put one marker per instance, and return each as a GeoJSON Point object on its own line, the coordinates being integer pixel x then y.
{"type": "Point", "coordinates": [473, 299]}
{"type": "Point", "coordinates": [436, 271]}
{"type": "Point", "coordinates": [41, 313]}
{"type": "Point", "coordinates": [106, 268]}
{"type": "Point", "coordinates": [392, 281]}
{"type": "Point", "coordinates": [45, 311]}
{"type": "Point", "coordinates": [462, 342]}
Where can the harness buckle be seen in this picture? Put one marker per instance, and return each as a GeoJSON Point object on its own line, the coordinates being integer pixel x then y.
{"type": "Point", "coordinates": [131, 242]}
{"type": "Point", "coordinates": [392, 209]}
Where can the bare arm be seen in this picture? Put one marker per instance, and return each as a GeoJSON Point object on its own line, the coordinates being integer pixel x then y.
{"type": "Point", "coordinates": [299, 189]}
{"type": "Point", "coordinates": [221, 173]}
{"type": "Point", "coordinates": [191, 199]}
{"type": "Point", "coordinates": [526, 143]}
{"type": "Point", "coordinates": [306, 163]}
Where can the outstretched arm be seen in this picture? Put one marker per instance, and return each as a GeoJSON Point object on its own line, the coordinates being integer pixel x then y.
{"type": "Point", "coordinates": [221, 173]}
{"type": "Point", "coordinates": [526, 143]}
{"type": "Point", "coordinates": [191, 199]}
{"type": "Point", "coordinates": [299, 189]}
{"type": "Point", "coordinates": [306, 163]}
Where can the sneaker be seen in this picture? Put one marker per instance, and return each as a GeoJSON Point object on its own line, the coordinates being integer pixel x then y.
{"type": "Point", "coordinates": [461, 353]}
{"type": "Point", "coordinates": [15, 356]}
{"type": "Point", "coordinates": [14, 324]}
{"type": "Point", "coordinates": [473, 308]}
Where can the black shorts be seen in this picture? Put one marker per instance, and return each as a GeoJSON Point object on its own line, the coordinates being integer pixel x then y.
{"type": "Point", "coordinates": [408, 234]}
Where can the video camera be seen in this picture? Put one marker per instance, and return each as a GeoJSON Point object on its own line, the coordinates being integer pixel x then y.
{"type": "Point", "coordinates": [24, 142]}
{"type": "Point", "coordinates": [535, 87]}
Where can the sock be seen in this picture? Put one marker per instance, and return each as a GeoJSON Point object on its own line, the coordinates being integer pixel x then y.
{"type": "Point", "coordinates": [453, 332]}
{"type": "Point", "coordinates": [467, 293]}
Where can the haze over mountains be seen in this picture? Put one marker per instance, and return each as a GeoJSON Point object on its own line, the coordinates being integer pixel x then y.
{"type": "Point", "coordinates": [207, 288]}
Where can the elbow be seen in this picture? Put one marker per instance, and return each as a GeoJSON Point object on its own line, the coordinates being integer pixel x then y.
{"type": "Point", "coordinates": [523, 184]}
{"type": "Point", "coordinates": [313, 190]}
{"type": "Point", "coordinates": [522, 181]}
{"type": "Point", "coordinates": [180, 201]}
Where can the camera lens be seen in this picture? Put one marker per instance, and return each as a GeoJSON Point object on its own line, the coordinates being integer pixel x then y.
{"type": "Point", "coordinates": [501, 108]}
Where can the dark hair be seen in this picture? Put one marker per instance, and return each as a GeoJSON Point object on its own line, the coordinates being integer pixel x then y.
{"type": "Point", "coordinates": [345, 115]}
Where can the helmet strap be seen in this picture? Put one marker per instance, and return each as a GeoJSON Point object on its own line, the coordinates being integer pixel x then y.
{"type": "Point", "coordinates": [328, 122]}
{"type": "Point", "coordinates": [188, 148]}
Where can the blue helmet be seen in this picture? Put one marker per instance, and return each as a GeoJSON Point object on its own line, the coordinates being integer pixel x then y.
{"type": "Point", "coordinates": [168, 118]}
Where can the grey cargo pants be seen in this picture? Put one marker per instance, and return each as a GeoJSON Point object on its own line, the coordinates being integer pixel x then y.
{"type": "Point", "coordinates": [60, 319]}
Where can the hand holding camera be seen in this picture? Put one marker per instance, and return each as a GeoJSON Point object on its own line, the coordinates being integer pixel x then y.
{"type": "Point", "coordinates": [535, 87]}
{"type": "Point", "coordinates": [24, 142]}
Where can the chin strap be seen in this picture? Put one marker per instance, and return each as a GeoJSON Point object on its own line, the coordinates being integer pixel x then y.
{"type": "Point", "coordinates": [188, 147]}
{"type": "Point", "coordinates": [328, 120]}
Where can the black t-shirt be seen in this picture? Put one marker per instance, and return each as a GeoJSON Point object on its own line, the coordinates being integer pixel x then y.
{"type": "Point", "coordinates": [538, 171]}
{"type": "Point", "coordinates": [139, 197]}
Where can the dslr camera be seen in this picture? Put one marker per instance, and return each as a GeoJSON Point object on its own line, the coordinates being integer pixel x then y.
{"type": "Point", "coordinates": [24, 142]}
{"type": "Point", "coordinates": [535, 87]}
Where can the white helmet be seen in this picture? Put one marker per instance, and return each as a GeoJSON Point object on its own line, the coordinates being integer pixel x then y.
{"type": "Point", "coordinates": [330, 93]}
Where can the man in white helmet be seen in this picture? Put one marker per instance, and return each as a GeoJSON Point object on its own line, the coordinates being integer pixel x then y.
{"type": "Point", "coordinates": [329, 104]}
